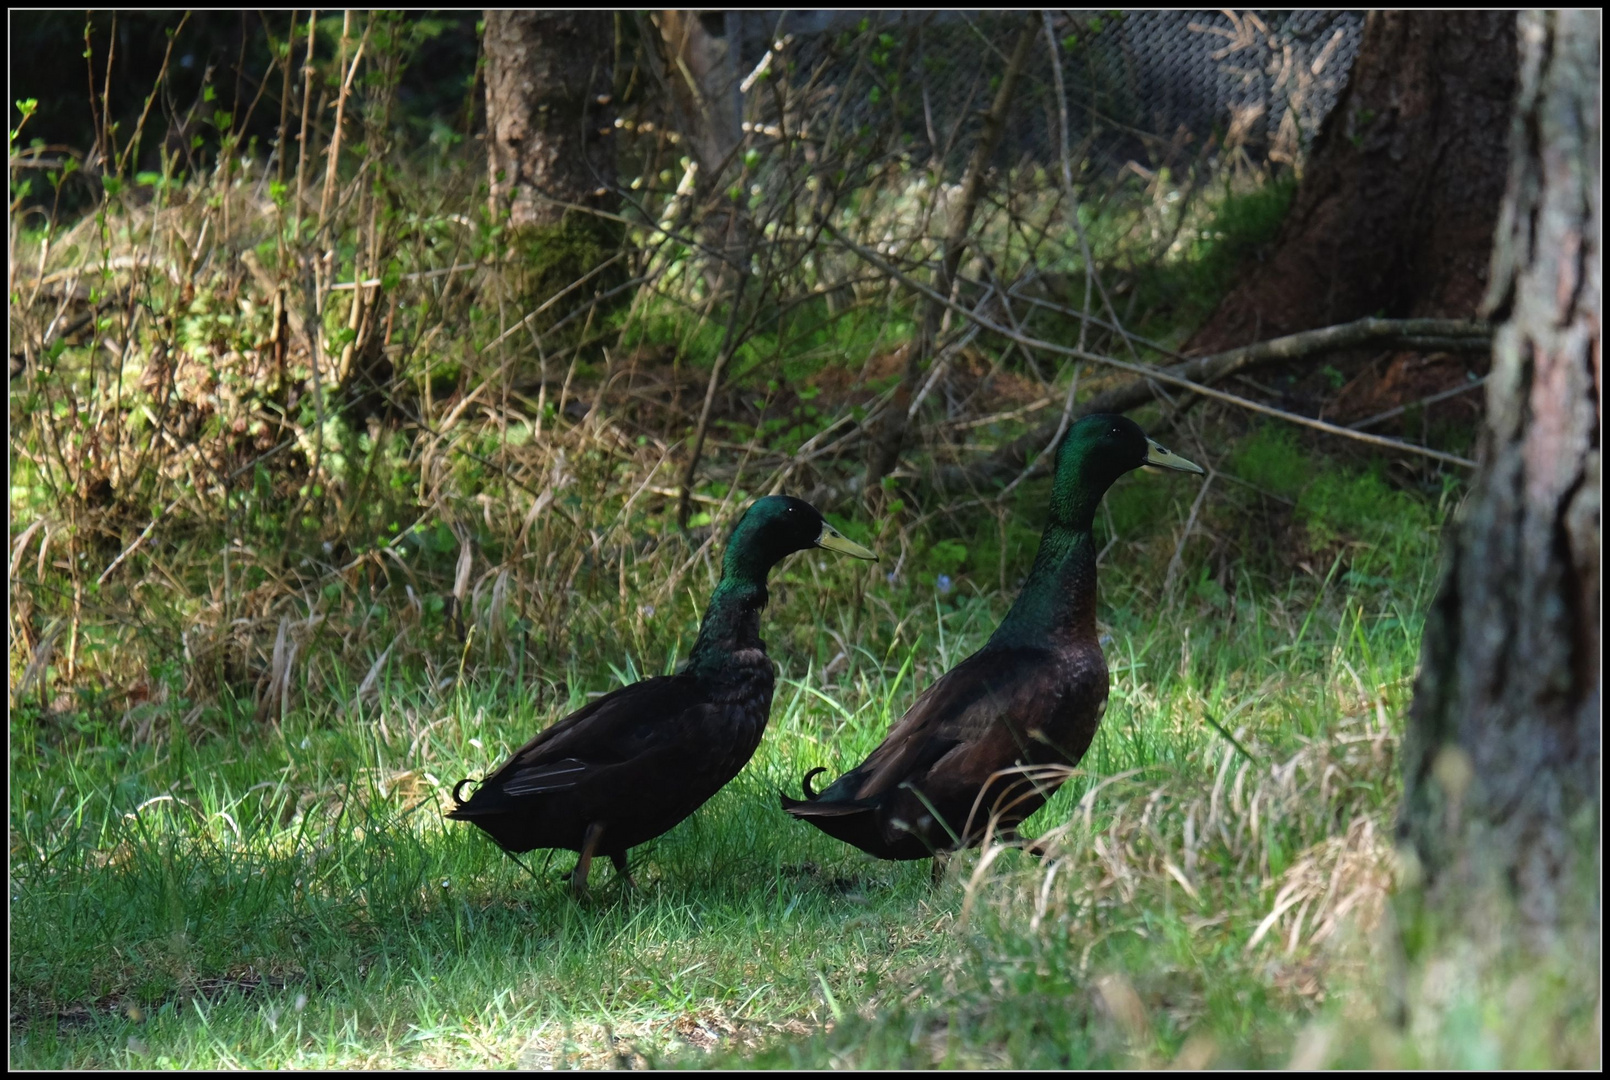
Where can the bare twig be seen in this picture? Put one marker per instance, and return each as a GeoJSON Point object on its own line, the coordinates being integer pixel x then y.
{"type": "Point", "coordinates": [307, 98]}
{"type": "Point", "coordinates": [1162, 376]}
{"type": "Point", "coordinates": [1073, 203]}
{"type": "Point", "coordinates": [1431, 400]}
{"type": "Point", "coordinates": [1190, 523]}
{"type": "Point", "coordinates": [893, 436]}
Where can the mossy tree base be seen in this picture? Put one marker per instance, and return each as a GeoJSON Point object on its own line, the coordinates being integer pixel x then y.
{"type": "Point", "coordinates": [573, 255]}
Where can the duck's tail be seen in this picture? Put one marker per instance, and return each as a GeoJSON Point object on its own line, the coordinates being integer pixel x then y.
{"type": "Point", "coordinates": [858, 822]}
{"type": "Point", "coordinates": [855, 823]}
{"type": "Point", "coordinates": [813, 805]}
{"type": "Point", "coordinates": [459, 802]}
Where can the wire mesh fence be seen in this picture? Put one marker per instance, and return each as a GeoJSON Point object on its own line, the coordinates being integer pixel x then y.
{"type": "Point", "coordinates": [1141, 85]}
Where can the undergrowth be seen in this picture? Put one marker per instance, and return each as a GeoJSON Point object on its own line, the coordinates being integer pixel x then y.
{"type": "Point", "coordinates": [315, 511]}
{"type": "Point", "coordinates": [285, 892]}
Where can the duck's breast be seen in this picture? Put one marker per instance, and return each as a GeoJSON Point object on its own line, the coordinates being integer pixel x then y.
{"type": "Point", "coordinates": [743, 693]}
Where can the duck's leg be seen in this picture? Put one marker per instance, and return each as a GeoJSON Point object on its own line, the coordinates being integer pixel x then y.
{"type": "Point", "coordinates": [1011, 836]}
{"type": "Point", "coordinates": [936, 873]}
{"type": "Point", "coordinates": [619, 859]}
{"type": "Point", "coordinates": [584, 865]}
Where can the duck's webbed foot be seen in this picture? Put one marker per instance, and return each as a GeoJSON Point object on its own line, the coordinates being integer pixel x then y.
{"type": "Point", "coordinates": [936, 872]}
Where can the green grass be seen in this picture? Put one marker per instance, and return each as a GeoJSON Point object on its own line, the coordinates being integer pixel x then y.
{"type": "Point", "coordinates": [204, 876]}
{"type": "Point", "coordinates": [246, 895]}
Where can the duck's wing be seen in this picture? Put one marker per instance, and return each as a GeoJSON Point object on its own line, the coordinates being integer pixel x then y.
{"type": "Point", "coordinates": [961, 710]}
{"type": "Point", "coordinates": [618, 727]}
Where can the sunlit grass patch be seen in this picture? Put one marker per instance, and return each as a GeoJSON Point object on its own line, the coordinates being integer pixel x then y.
{"type": "Point", "coordinates": [259, 639]}
{"type": "Point", "coordinates": [177, 897]}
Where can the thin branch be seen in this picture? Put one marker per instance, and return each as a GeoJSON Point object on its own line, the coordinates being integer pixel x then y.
{"type": "Point", "coordinates": [892, 439]}
{"type": "Point", "coordinates": [1073, 202]}
{"type": "Point", "coordinates": [1190, 523]}
{"type": "Point", "coordinates": [1160, 375]}
{"type": "Point", "coordinates": [1390, 413]}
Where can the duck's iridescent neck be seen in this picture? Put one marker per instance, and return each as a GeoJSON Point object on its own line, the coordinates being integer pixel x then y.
{"type": "Point", "coordinates": [1058, 601]}
{"type": "Point", "coordinates": [731, 622]}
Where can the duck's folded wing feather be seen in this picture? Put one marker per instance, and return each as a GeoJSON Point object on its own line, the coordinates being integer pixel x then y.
{"type": "Point", "coordinates": [617, 727]}
{"type": "Point", "coordinates": [561, 775]}
{"type": "Point", "coordinates": [958, 710]}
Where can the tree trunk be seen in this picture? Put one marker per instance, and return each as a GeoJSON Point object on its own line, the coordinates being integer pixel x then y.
{"type": "Point", "coordinates": [1502, 752]}
{"type": "Point", "coordinates": [701, 74]}
{"type": "Point", "coordinates": [1395, 212]}
{"type": "Point", "coordinates": [698, 57]}
{"type": "Point", "coordinates": [549, 119]}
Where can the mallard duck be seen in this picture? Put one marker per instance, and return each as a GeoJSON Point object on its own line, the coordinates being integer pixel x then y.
{"type": "Point", "coordinates": [632, 764]}
{"type": "Point", "coordinates": [976, 743]}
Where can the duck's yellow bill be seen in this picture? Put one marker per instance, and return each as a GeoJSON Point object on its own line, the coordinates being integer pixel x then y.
{"type": "Point", "coordinates": [834, 540]}
{"type": "Point", "coordinates": [1164, 458]}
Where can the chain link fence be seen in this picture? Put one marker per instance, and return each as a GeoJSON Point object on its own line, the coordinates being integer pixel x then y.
{"type": "Point", "coordinates": [1142, 86]}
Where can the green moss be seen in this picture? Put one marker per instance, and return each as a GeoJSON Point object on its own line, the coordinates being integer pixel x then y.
{"type": "Point", "coordinates": [554, 257]}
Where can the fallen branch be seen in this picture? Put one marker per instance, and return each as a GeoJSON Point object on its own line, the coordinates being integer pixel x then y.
{"type": "Point", "coordinates": [1360, 425]}
{"type": "Point", "coordinates": [1348, 335]}
{"type": "Point", "coordinates": [1448, 335]}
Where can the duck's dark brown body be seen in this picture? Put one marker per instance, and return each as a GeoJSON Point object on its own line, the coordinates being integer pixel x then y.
{"type": "Point", "coordinates": [635, 762]}
{"type": "Point", "coordinates": [937, 778]}
{"type": "Point", "coordinates": [996, 735]}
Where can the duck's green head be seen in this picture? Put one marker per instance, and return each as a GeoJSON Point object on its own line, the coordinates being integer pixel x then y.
{"type": "Point", "coordinates": [1096, 451]}
{"type": "Point", "coordinates": [775, 527]}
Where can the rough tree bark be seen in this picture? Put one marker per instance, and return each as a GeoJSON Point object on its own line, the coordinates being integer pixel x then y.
{"type": "Point", "coordinates": [700, 53]}
{"type": "Point", "coordinates": [1395, 212]}
{"type": "Point", "coordinates": [698, 71]}
{"type": "Point", "coordinates": [548, 115]}
{"type": "Point", "coordinates": [1502, 752]}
